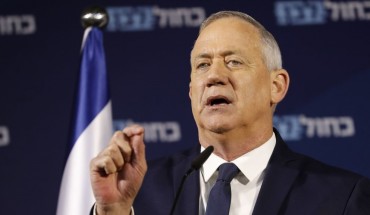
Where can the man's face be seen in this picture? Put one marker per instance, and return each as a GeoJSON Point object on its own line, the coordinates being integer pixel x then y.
{"type": "Point", "coordinates": [230, 85]}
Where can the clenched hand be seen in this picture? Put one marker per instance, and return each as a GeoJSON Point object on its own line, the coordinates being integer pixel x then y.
{"type": "Point", "coordinates": [118, 171]}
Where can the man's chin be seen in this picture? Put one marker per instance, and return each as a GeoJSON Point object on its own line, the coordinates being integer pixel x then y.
{"type": "Point", "coordinates": [219, 127]}
{"type": "Point", "coordinates": [219, 130]}
{"type": "Point", "coordinates": [217, 123]}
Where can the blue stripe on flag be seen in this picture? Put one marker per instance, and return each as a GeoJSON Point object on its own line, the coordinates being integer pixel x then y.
{"type": "Point", "coordinates": [93, 92]}
{"type": "Point", "coordinates": [92, 127]}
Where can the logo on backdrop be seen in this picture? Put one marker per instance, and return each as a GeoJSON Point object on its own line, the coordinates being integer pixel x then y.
{"type": "Point", "coordinates": [166, 132]}
{"type": "Point", "coordinates": [17, 24]}
{"type": "Point", "coordinates": [4, 136]}
{"type": "Point", "coordinates": [148, 18]}
{"type": "Point", "coordinates": [320, 12]}
{"type": "Point", "coordinates": [298, 127]}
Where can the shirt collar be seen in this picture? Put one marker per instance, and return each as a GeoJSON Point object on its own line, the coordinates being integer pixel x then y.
{"type": "Point", "coordinates": [251, 164]}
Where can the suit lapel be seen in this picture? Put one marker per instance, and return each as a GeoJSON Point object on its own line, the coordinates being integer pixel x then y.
{"type": "Point", "coordinates": [188, 202]}
{"type": "Point", "coordinates": [278, 180]}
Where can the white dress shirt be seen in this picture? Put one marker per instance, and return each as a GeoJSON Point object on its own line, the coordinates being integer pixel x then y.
{"type": "Point", "coordinates": [245, 186]}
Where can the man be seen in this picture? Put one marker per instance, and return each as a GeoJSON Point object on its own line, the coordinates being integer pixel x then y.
{"type": "Point", "coordinates": [236, 82]}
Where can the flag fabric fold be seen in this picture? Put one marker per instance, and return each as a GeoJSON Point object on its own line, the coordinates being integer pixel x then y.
{"type": "Point", "coordinates": [92, 126]}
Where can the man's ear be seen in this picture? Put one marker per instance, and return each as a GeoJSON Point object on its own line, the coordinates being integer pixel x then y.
{"type": "Point", "coordinates": [279, 85]}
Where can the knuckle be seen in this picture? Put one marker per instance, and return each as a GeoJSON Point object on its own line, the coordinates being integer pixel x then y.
{"type": "Point", "coordinates": [106, 161]}
{"type": "Point", "coordinates": [93, 163]}
{"type": "Point", "coordinates": [110, 151]}
{"type": "Point", "coordinates": [128, 149]}
{"type": "Point", "coordinates": [117, 136]}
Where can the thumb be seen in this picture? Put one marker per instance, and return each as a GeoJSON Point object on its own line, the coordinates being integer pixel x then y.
{"type": "Point", "coordinates": [138, 147]}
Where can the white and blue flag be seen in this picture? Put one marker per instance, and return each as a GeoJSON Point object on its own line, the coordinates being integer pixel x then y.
{"type": "Point", "coordinates": [92, 127]}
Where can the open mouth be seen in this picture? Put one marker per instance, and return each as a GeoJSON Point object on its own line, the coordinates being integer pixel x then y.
{"type": "Point", "coordinates": [218, 100]}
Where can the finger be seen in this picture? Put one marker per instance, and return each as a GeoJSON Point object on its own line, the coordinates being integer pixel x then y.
{"type": "Point", "coordinates": [112, 158]}
{"type": "Point", "coordinates": [104, 165]}
{"type": "Point", "coordinates": [134, 134]}
{"type": "Point", "coordinates": [138, 145]}
{"type": "Point", "coordinates": [133, 130]}
{"type": "Point", "coordinates": [114, 153]}
{"type": "Point", "coordinates": [122, 143]}
{"type": "Point", "coordinates": [138, 148]}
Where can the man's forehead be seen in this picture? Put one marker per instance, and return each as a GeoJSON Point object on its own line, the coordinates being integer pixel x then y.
{"type": "Point", "coordinates": [229, 23]}
{"type": "Point", "coordinates": [226, 31]}
{"type": "Point", "coordinates": [206, 49]}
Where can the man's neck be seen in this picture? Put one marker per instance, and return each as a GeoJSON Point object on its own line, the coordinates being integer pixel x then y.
{"type": "Point", "coordinates": [233, 144]}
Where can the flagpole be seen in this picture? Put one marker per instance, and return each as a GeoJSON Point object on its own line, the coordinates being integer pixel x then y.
{"type": "Point", "coordinates": [92, 118]}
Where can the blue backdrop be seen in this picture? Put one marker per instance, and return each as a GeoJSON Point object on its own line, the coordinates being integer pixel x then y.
{"type": "Point", "coordinates": [324, 44]}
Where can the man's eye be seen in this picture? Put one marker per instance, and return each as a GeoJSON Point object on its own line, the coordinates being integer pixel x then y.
{"type": "Point", "coordinates": [202, 65]}
{"type": "Point", "coordinates": [234, 63]}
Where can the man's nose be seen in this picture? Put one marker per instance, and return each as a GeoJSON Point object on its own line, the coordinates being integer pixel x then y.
{"type": "Point", "coordinates": [217, 75]}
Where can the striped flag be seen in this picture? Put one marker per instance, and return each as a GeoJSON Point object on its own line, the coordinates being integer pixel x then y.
{"type": "Point", "coordinates": [92, 127]}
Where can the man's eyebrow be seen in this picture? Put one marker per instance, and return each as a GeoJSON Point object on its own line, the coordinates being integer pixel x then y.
{"type": "Point", "coordinates": [224, 53]}
{"type": "Point", "coordinates": [227, 53]}
{"type": "Point", "coordinates": [202, 55]}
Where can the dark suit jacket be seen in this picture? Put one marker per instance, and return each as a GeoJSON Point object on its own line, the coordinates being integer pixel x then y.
{"type": "Point", "coordinates": [293, 185]}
